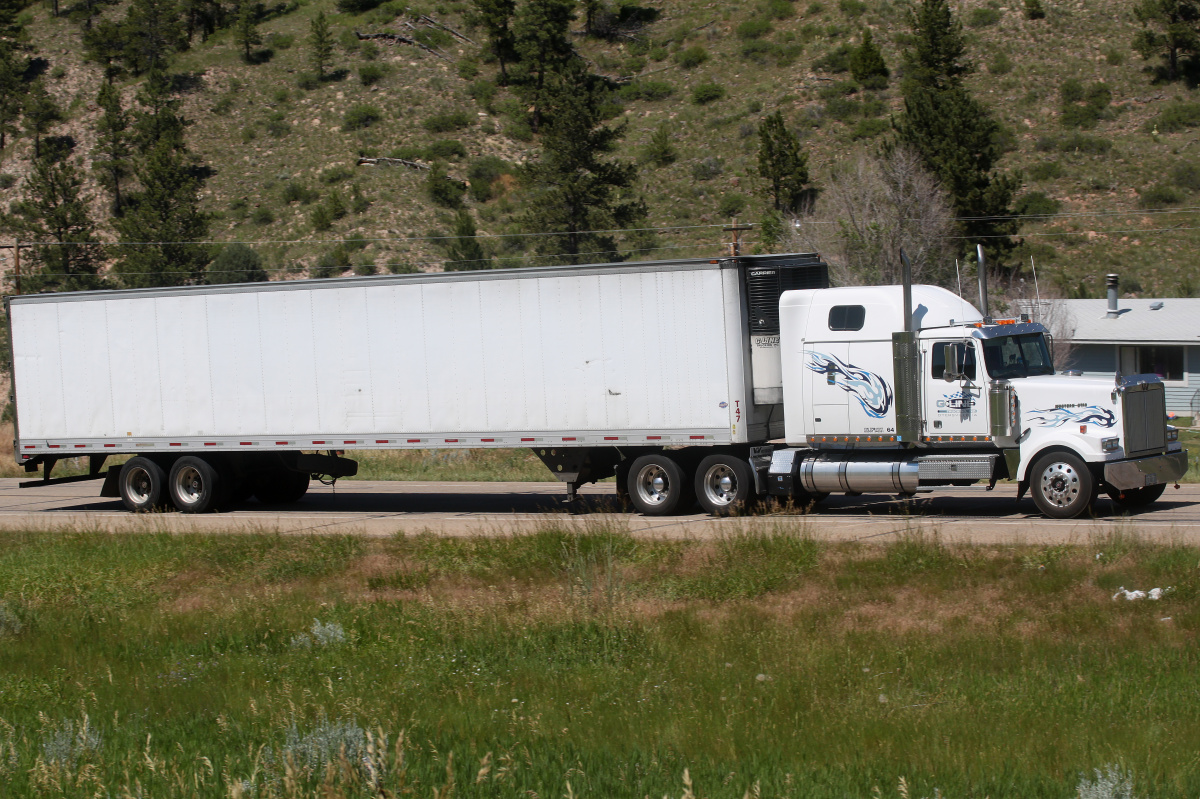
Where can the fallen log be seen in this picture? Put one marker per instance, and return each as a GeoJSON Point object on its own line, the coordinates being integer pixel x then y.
{"type": "Point", "coordinates": [428, 20]}
{"type": "Point", "coordinates": [391, 162]}
{"type": "Point", "coordinates": [396, 38]}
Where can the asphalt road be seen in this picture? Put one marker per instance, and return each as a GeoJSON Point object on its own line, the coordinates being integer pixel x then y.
{"type": "Point", "coordinates": [380, 508]}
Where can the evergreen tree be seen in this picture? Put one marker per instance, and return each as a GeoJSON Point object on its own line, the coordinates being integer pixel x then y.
{"type": "Point", "coordinates": [1170, 28]}
{"type": "Point", "coordinates": [11, 93]}
{"type": "Point", "coordinates": [496, 19]}
{"type": "Point", "coordinates": [159, 119]}
{"type": "Point", "coordinates": [41, 114]}
{"type": "Point", "coordinates": [105, 44]}
{"type": "Point", "coordinates": [236, 263]}
{"type": "Point", "coordinates": [954, 134]}
{"type": "Point", "coordinates": [465, 252]}
{"type": "Point", "coordinates": [204, 16]}
{"type": "Point", "coordinates": [245, 31]}
{"type": "Point", "coordinates": [152, 31]}
{"type": "Point", "coordinates": [782, 163]}
{"type": "Point", "coordinates": [573, 188]}
{"type": "Point", "coordinates": [544, 45]}
{"type": "Point", "coordinates": [161, 221]}
{"type": "Point", "coordinates": [867, 64]}
{"type": "Point", "coordinates": [112, 151]}
{"type": "Point", "coordinates": [320, 42]}
{"type": "Point", "coordinates": [66, 255]}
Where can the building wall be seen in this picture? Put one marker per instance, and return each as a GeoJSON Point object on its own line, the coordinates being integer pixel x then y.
{"type": "Point", "coordinates": [1100, 360]}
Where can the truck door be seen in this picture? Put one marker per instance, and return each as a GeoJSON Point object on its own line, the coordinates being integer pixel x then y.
{"type": "Point", "coordinates": [958, 407]}
{"type": "Point", "coordinates": [826, 372]}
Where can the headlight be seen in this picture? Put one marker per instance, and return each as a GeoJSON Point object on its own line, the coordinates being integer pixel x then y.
{"type": "Point", "coordinates": [1110, 444]}
{"type": "Point", "coordinates": [1172, 434]}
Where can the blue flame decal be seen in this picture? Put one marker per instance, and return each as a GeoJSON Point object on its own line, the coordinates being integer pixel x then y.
{"type": "Point", "coordinates": [1057, 417]}
{"type": "Point", "coordinates": [871, 390]}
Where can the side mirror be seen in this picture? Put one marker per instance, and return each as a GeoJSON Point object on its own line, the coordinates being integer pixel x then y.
{"type": "Point", "coordinates": [954, 359]}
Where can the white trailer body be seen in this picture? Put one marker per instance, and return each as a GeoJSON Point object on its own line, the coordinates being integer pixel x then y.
{"type": "Point", "coordinates": [618, 355]}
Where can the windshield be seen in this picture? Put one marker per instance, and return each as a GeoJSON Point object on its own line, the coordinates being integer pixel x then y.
{"type": "Point", "coordinates": [1017, 356]}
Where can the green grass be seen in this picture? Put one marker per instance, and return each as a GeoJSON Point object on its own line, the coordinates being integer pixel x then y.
{"type": "Point", "coordinates": [264, 665]}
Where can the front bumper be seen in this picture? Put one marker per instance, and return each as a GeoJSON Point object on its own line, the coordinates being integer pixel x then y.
{"type": "Point", "coordinates": [1142, 472]}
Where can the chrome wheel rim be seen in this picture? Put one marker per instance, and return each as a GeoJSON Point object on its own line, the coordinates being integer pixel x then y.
{"type": "Point", "coordinates": [720, 485]}
{"type": "Point", "coordinates": [139, 485]}
{"type": "Point", "coordinates": [653, 485]}
{"type": "Point", "coordinates": [189, 485]}
{"type": "Point", "coordinates": [1060, 484]}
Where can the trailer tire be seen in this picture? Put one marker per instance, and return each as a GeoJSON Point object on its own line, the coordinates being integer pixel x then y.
{"type": "Point", "coordinates": [659, 485]}
{"type": "Point", "coordinates": [280, 486]}
{"type": "Point", "coordinates": [1062, 485]}
{"type": "Point", "coordinates": [724, 484]}
{"type": "Point", "coordinates": [196, 485]}
{"type": "Point", "coordinates": [1136, 497]}
{"type": "Point", "coordinates": [143, 484]}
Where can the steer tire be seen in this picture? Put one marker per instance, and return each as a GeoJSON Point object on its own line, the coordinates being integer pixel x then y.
{"type": "Point", "coordinates": [143, 485]}
{"type": "Point", "coordinates": [658, 485]}
{"type": "Point", "coordinates": [1136, 497]}
{"type": "Point", "coordinates": [1062, 485]}
{"type": "Point", "coordinates": [724, 484]}
{"type": "Point", "coordinates": [196, 485]}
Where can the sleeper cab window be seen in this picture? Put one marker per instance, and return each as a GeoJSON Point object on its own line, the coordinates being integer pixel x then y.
{"type": "Point", "coordinates": [847, 317]}
{"type": "Point", "coordinates": [937, 361]}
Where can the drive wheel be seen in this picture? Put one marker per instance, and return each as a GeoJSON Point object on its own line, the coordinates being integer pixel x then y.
{"type": "Point", "coordinates": [724, 484]}
{"type": "Point", "coordinates": [1063, 488]}
{"type": "Point", "coordinates": [195, 485]}
{"type": "Point", "coordinates": [658, 485]}
{"type": "Point", "coordinates": [1136, 497]}
{"type": "Point", "coordinates": [143, 484]}
{"type": "Point", "coordinates": [280, 486]}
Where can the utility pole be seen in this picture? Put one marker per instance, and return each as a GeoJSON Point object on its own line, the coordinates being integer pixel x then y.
{"type": "Point", "coordinates": [735, 246]}
{"type": "Point", "coordinates": [16, 248]}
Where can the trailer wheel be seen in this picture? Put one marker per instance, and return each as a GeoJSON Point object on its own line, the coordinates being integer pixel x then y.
{"type": "Point", "coordinates": [658, 485]}
{"type": "Point", "coordinates": [1136, 497]}
{"type": "Point", "coordinates": [280, 486]}
{"type": "Point", "coordinates": [142, 483]}
{"type": "Point", "coordinates": [1063, 488]}
{"type": "Point", "coordinates": [196, 485]}
{"type": "Point", "coordinates": [724, 484]}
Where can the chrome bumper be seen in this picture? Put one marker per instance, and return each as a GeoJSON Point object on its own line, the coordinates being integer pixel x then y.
{"type": "Point", "coordinates": [1142, 472]}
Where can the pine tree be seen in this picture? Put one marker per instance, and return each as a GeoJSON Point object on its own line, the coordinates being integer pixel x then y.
{"type": "Point", "coordinates": [867, 64]}
{"type": "Point", "coordinates": [320, 42]}
{"type": "Point", "coordinates": [1170, 28]}
{"type": "Point", "coordinates": [573, 189]}
{"type": "Point", "coordinates": [66, 255]}
{"type": "Point", "coordinates": [236, 263]}
{"type": "Point", "coordinates": [954, 134]}
{"type": "Point", "coordinates": [782, 163]}
{"type": "Point", "coordinates": [465, 252]}
{"type": "Point", "coordinates": [496, 19]}
{"type": "Point", "coordinates": [112, 151]}
{"type": "Point", "coordinates": [105, 44]}
{"type": "Point", "coordinates": [544, 45]}
{"type": "Point", "coordinates": [245, 31]}
{"type": "Point", "coordinates": [11, 93]}
{"type": "Point", "coordinates": [152, 30]}
{"type": "Point", "coordinates": [41, 114]}
{"type": "Point", "coordinates": [159, 119]}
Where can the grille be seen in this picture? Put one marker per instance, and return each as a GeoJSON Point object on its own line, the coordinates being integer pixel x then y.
{"type": "Point", "coordinates": [1144, 408]}
{"type": "Point", "coordinates": [767, 278]}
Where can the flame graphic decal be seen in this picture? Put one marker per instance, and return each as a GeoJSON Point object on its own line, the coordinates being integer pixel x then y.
{"type": "Point", "coordinates": [871, 390]}
{"type": "Point", "coordinates": [1057, 417]}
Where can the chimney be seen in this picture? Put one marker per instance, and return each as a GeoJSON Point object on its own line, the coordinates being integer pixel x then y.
{"type": "Point", "coordinates": [1112, 281]}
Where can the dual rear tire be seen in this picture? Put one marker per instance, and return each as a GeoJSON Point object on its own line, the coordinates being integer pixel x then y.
{"type": "Point", "coordinates": [666, 483]}
{"type": "Point", "coordinates": [194, 484]}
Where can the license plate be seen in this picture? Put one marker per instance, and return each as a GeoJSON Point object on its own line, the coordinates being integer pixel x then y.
{"type": "Point", "coordinates": [1151, 479]}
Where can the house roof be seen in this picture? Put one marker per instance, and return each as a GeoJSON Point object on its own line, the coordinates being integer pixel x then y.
{"type": "Point", "coordinates": [1176, 321]}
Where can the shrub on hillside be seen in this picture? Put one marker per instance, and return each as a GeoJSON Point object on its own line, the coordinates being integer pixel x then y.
{"type": "Point", "coordinates": [356, 6]}
{"type": "Point", "coordinates": [447, 122]}
{"type": "Point", "coordinates": [448, 149]}
{"type": "Point", "coordinates": [1160, 196]}
{"type": "Point", "coordinates": [1034, 9]}
{"type": "Point", "coordinates": [1176, 117]}
{"type": "Point", "coordinates": [1186, 175]}
{"type": "Point", "coordinates": [361, 116]}
{"type": "Point", "coordinates": [708, 168]}
{"type": "Point", "coordinates": [1000, 64]}
{"type": "Point", "coordinates": [781, 9]}
{"type": "Point", "coordinates": [660, 150]}
{"type": "Point", "coordinates": [707, 93]}
{"type": "Point", "coordinates": [483, 92]}
{"type": "Point", "coordinates": [370, 74]}
{"type": "Point", "coordinates": [1045, 170]}
{"type": "Point", "coordinates": [852, 8]}
{"type": "Point", "coordinates": [836, 60]}
{"type": "Point", "coordinates": [869, 128]}
{"type": "Point", "coordinates": [336, 174]}
{"type": "Point", "coordinates": [649, 90]}
{"type": "Point", "coordinates": [483, 174]}
{"type": "Point", "coordinates": [690, 57]}
{"type": "Point", "coordinates": [732, 205]}
{"type": "Point", "coordinates": [1083, 107]}
{"type": "Point", "coordinates": [1083, 144]}
{"type": "Point", "coordinates": [236, 263]}
{"type": "Point", "coordinates": [1036, 203]}
{"type": "Point", "coordinates": [444, 190]}
{"type": "Point", "coordinates": [754, 28]}
{"type": "Point", "coordinates": [296, 192]}
{"type": "Point", "coordinates": [983, 17]}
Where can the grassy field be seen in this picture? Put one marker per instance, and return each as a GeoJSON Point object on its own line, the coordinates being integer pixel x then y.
{"type": "Point", "coordinates": [579, 661]}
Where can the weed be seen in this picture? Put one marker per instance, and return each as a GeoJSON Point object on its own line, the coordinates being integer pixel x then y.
{"type": "Point", "coordinates": [447, 122]}
{"type": "Point", "coordinates": [690, 57]}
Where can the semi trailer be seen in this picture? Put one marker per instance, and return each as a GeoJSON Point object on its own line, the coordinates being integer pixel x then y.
{"type": "Point", "coordinates": [714, 381]}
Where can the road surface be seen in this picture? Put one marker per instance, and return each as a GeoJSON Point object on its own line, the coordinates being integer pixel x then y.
{"type": "Point", "coordinates": [380, 508]}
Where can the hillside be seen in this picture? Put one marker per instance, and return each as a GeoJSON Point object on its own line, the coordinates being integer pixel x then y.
{"type": "Point", "coordinates": [279, 145]}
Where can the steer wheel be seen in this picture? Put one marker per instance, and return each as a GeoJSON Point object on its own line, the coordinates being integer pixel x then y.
{"type": "Point", "coordinates": [1062, 485]}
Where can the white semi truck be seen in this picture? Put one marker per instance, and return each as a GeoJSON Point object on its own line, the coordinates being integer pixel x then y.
{"type": "Point", "coordinates": [717, 381]}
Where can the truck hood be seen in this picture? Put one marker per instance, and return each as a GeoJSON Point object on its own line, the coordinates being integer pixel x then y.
{"type": "Point", "coordinates": [1059, 401]}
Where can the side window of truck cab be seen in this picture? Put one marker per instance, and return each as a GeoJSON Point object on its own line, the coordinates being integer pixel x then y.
{"type": "Point", "coordinates": [847, 317]}
{"type": "Point", "coordinates": [937, 360]}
